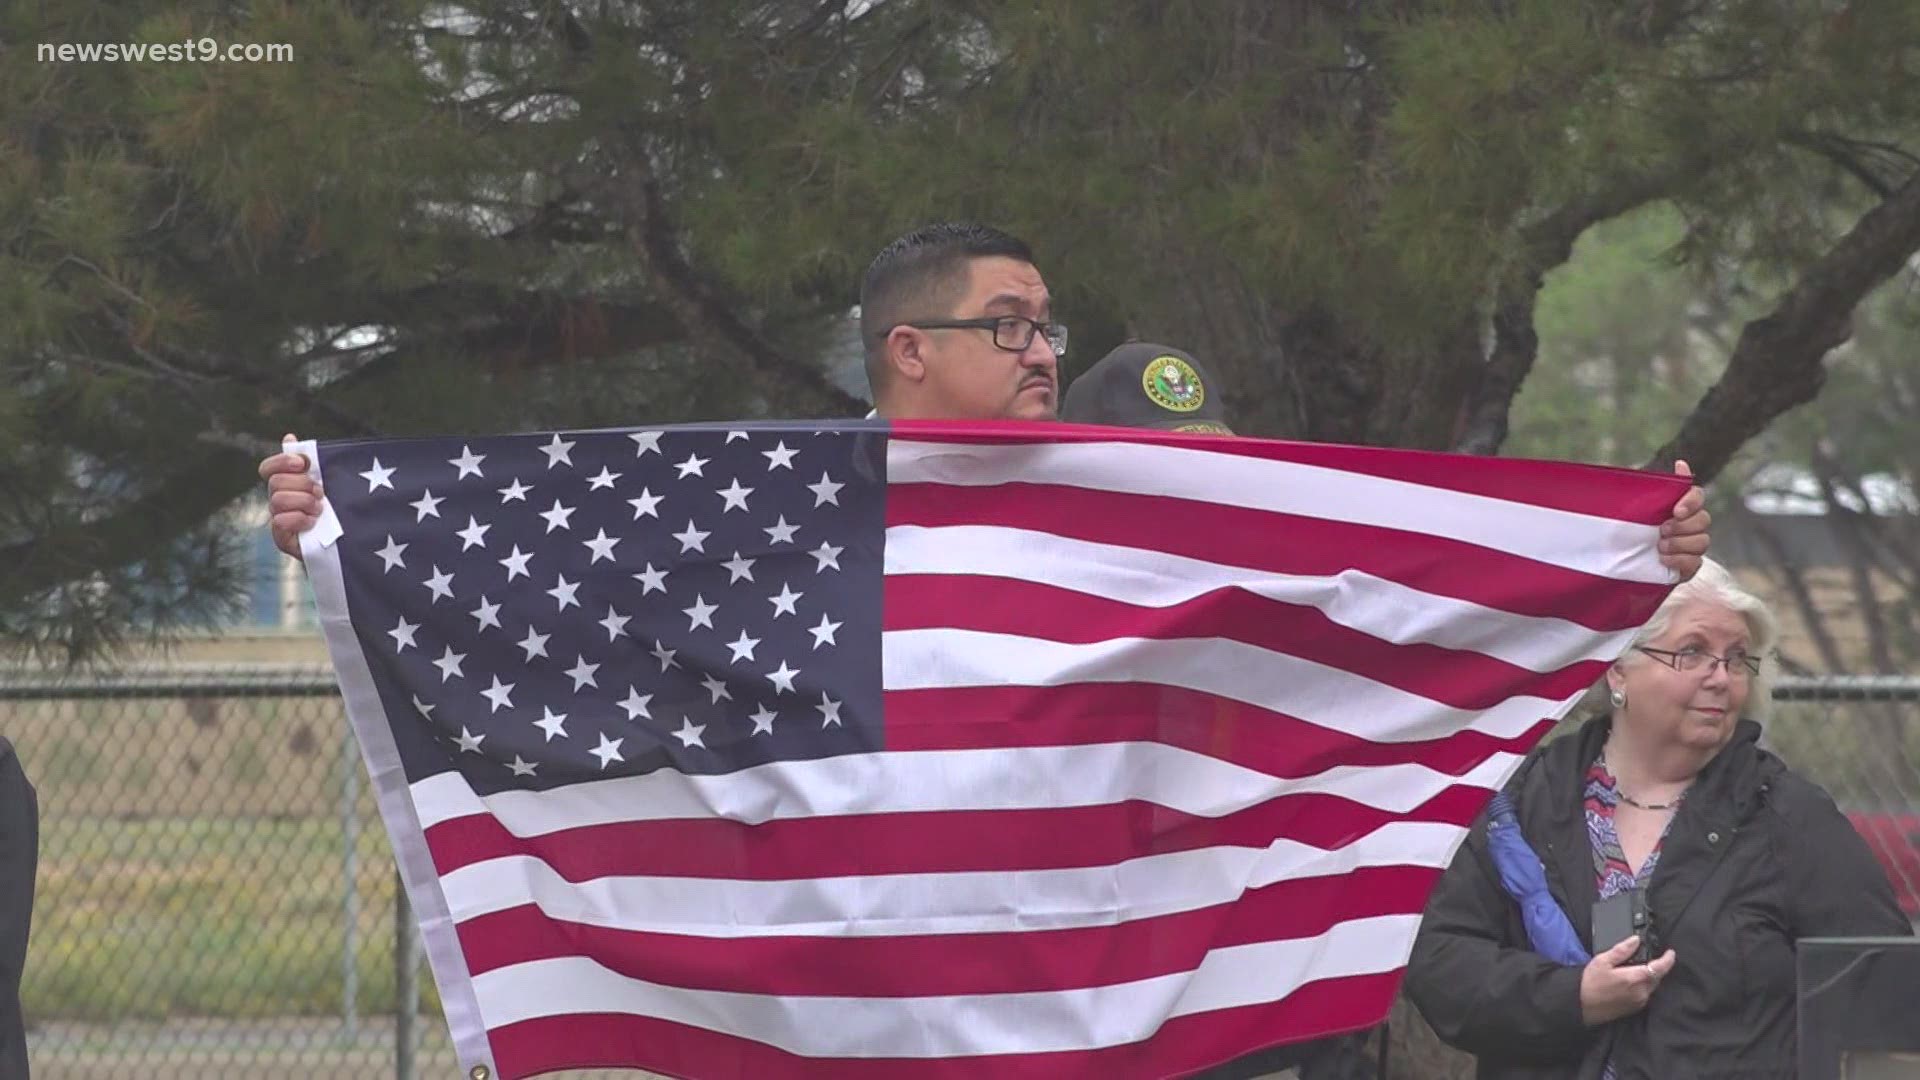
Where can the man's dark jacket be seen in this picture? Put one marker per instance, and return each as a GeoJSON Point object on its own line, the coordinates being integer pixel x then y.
{"type": "Point", "coordinates": [1756, 857]}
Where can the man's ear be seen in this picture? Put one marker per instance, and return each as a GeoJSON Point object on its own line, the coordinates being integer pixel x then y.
{"type": "Point", "coordinates": [905, 357]}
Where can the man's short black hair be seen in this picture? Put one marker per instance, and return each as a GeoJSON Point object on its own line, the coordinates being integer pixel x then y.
{"type": "Point", "coordinates": [919, 276]}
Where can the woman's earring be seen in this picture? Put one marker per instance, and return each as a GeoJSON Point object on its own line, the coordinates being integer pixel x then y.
{"type": "Point", "coordinates": [1618, 697]}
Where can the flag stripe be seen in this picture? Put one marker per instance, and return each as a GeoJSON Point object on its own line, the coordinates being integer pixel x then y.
{"type": "Point", "coordinates": [951, 903]}
{"type": "Point", "coordinates": [1602, 490]}
{"type": "Point", "coordinates": [985, 717]}
{"type": "Point", "coordinates": [1374, 606]}
{"type": "Point", "coordinates": [1463, 680]}
{"type": "Point", "coordinates": [958, 1024]}
{"type": "Point", "coordinates": [933, 659]}
{"type": "Point", "coordinates": [934, 842]}
{"type": "Point", "coordinates": [1182, 1045]}
{"type": "Point", "coordinates": [934, 965]}
{"type": "Point", "coordinates": [1584, 543]}
{"type": "Point", "coordinates": [1231, 536]}
{"type": "Point", "coordinates": [903, 782]}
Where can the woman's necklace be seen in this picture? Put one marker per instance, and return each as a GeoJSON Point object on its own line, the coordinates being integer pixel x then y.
{"type": "Point", "coordinates": [1630, 800]}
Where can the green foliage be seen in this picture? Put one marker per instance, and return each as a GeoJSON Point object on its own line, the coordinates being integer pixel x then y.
{"type": "Point", "coordinates": [428, 219]}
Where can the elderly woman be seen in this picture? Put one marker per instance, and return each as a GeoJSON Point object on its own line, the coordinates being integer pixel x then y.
{"type": "Point", "coordinates": [1661, 814]}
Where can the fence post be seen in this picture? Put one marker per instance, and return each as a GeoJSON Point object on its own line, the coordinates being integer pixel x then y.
{"type": "Point", "coordinates": [350, 891]}
{"type": "Point", "coordinates": [406, 981]}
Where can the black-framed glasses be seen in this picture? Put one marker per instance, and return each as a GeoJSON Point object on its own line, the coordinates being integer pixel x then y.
{"type": "Point", "coordinates": [1014, 333]}
{"type": "Point", "coordinates": [1690, 660]}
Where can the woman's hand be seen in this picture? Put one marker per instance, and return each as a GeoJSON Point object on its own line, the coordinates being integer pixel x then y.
{"type": "Point", "coordinates": [1611, 988]}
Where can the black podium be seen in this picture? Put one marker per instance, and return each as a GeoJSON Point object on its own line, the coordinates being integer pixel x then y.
{"type": "Point", "coordinates": [1859, 1008]}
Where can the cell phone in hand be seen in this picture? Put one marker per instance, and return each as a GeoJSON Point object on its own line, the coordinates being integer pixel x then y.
{"type": "Point", "coordinates": [1618, 918]}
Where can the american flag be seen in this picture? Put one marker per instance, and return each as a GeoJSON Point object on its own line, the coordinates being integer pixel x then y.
{"type": "Point", "coordinates": [871, 750]}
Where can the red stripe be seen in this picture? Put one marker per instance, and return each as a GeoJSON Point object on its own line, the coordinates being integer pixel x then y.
{"type": "Point", "coordinates": [1462, 679]}
{"type": "Point", "coordinates": [1600, 490]}
{"type": "Point", "coordinates": [928, 965]}
{"type": "Point", "coordinates": [927, 842]}
{"type": "Point", "coordinates": [1080, 714]}
{"type": "Point", "coordinates": [1285, 544]}
{"type": "Point", "coordinates": [1182, 1046]}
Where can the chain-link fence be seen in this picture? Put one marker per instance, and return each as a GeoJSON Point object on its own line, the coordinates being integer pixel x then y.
{"type": "Point", "coordinates": [216, 897]}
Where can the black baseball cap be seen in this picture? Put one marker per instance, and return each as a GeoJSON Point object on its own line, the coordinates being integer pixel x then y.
{"type": "Point", "coordinates": [1141, 384]}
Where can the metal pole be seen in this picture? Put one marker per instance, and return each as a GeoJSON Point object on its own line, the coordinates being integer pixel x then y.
{"type": "Point", "coordinates": [406, 981]}
{"type": "Point", "coordinates": [350, 892]}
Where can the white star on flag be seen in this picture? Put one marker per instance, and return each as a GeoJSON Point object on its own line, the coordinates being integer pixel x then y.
{"type": "Point", "coordinates": [534, 644]}
{"type": "Point", "coordinates": [378, 477]}
{"type": "Point", "coordinates": [779, 457]}
{"type": "Point", "coordinates": [449, 664]}
{"type": "Point", "coordinates": [558, 451]}
{"type": "Point", "coordinates": [468, 463]}
{"type": "Point", "coordinates": [636, 704]}
{"type": "Point", "coordinates": [651, 580]}
{"type": "Point", "coordinates": [562, 592]}
{"type": "Point", "coordinates": [608, 751]}
{"type": "Point", "coordinates": [425, 506]}
{"type": "Point", "coordinates": [826, 491]}
{"type": "Point", "coordinates": [828, 556]}
{"type": "Point", "coordinates": [829, 711]}
{"type": "Point", "coordinates": [783, 603]}
{"type": "Point", "coordinates": [742, 647]}
{"type": "Point", "coordinates": [557, 516]}
{"type": "Point", "coordinates": [516, 563]}
{"type": "Point", "coordinates": [402, 634]}
{"type": "Point", "coordinates": [499, 694]}
{"type": "Point", "coordinates": [487, 614]}
{"type": "Point", "coordinates": [734, 496]}
{"type": "Point", "coordinates": [646, 505]}
{"type": "Point", "coordinates": [692, 539]}
{"type": "Point", "coordinates": [554, 724]}
{"type": "Point", "coordinates": [474, 535]}
{"type": "Point", "coordinates": [582, 674]}
{"type": "Point", "coordinates": [391, 554]}
{"type": "Point", "coordinates": [601, 546]}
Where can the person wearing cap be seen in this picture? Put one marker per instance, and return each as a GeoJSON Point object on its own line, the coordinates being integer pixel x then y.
{"type": "Point", "coordinates": [1144, 385]}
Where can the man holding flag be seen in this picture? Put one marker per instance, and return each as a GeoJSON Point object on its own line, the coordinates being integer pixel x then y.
{"type": "Point", "coordinates": [915, 747]}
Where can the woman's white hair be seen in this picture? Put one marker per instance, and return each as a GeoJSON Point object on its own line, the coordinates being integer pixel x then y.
{"type": "Point", "coordinates": [1713, 586]}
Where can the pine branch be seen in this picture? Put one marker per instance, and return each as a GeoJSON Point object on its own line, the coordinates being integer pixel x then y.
{"type": "Point", "coordinates": [1778, 361]}
{"type": "Point", "coordinates": [1543, 245]}
{"type": "Point", "coordinates": [701, 309]}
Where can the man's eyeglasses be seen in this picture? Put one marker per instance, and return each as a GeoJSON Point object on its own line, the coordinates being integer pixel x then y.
{"type": "Point", "coordinates": [1013, 333]}
{"type": "Point", "coordinates": [1737, 662]}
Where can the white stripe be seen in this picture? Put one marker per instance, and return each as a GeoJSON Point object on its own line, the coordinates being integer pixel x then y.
{"type": "Point", "coordinates": [958, 1025]}
{"type": "Point", "coordinates": [1376, 606]}
{"type": "Point", "coordinates": [970, 902]}
{"type": "Point", "coordinates": [897, 782]}
{"type": "Point", "coordinates": [1585, 542]}
{"type": "Point", "coordinates": [1330, 697]}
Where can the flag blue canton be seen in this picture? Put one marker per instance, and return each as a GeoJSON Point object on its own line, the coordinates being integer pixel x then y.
{"type": "Point", "coordinates": [544, 610]}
